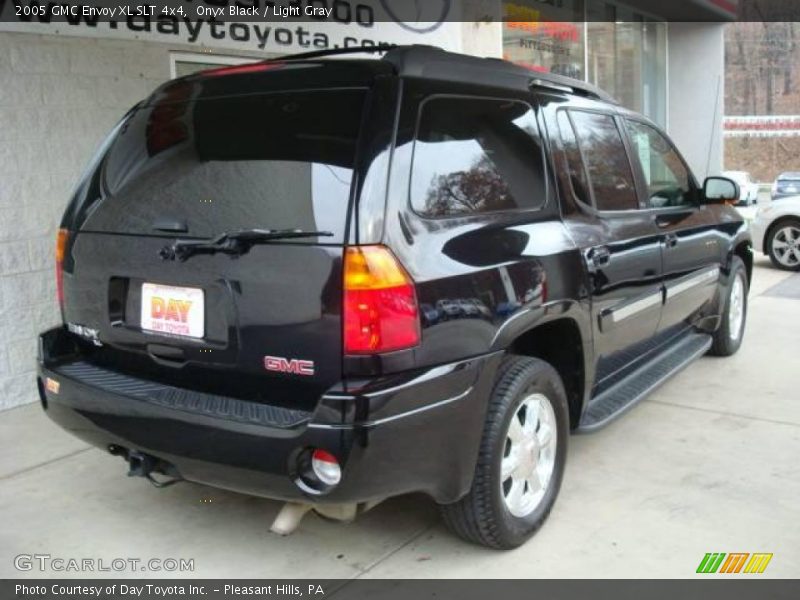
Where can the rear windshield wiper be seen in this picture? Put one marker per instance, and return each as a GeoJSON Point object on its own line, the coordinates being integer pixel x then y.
{"type": "Point", "coordinates": [235, 243]}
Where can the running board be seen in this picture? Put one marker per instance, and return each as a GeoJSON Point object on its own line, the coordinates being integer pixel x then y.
{"type": "Point", "coordinates": [625, 394]}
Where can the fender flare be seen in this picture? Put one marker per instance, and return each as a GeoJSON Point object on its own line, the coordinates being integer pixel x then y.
{"type": "Point", "coordinates": [578, 312]}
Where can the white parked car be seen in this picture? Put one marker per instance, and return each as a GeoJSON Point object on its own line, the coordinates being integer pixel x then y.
{"type": "Point", "coordinates": [776, 232]}
{"type": "Point", "coordinates": [748, 189]}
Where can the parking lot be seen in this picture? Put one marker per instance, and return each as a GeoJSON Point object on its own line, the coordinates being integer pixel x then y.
{"type": "Point", "coordinates": [708, 463]}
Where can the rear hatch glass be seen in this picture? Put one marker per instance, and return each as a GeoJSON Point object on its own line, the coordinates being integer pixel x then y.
{"type": "Point", "coordinates": [280, 160]}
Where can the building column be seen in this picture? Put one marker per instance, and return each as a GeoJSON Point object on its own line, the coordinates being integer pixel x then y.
{"type": "Point", "coordinates": [696, 96]}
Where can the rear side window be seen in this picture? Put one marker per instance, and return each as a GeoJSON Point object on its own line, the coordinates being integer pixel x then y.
{"type": "Point", "coordinates": [476, 155]}
{"type": "Point", "coordinates": [606, 161]}
{"type": "Point", "coordinates": [273, 161]}
{"type": "Point", "coordinates": [572, 155]}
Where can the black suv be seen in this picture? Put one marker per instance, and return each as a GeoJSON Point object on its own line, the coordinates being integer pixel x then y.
{"type": "Point", "coordinates": [335, 281]}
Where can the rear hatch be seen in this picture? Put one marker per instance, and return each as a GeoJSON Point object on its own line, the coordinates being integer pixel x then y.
{"type": "Point", "coordinates": [219, 153]}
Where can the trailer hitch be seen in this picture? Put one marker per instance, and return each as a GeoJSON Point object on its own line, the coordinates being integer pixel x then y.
{"type": "Point", "coordinates": [144, 465]}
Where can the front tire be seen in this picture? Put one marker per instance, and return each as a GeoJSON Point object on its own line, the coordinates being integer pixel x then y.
{"type": "Point", "coordinates": [783, 244]}
{"type": "Point", "coordinates": [521, 460]}
{"type": "Point", "coordinates": [728, 336]}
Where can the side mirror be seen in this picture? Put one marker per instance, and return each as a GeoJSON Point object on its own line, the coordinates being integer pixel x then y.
{"type": "Point", "coordinates": [717, 190]}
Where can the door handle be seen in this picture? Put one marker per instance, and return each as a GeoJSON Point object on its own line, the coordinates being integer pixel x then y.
{"type": "Point", "coordinates": [176, 225]}
{"type": "Point", "coordinates": [670, 218]}
{"type": "Point", "coordinates": [600, 256]}
{"type": "Point", "coordinates": [670, 240]}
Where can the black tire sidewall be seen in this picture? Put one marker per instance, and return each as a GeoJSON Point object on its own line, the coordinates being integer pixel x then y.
{"type": "Point", "coordinates": [723, 344]}
{"type": "Point", "coordinates": [536, 377]}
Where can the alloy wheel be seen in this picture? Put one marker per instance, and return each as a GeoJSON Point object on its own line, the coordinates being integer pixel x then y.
{"type": "Point", "coordinates": [529, 455]}
{"type": "Point", "coordinates": [736, 308]}
{"type": "Point", "coordinates": [786, 246]}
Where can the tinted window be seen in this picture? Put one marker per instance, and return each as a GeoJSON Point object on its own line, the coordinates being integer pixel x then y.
{"type": "Point", "coordinates": [667, 178]}
{"type": "Point", "coordinates": [574, 161]}
{"type": "Point", "coordinates": [476, 156]}
{"type": "Point", "coordinates": [606, 161]}
{"type": "Point", "coordinates": [276, 161]}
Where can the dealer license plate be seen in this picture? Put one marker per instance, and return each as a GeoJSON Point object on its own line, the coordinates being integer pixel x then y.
{"type": "Point", "coordinates": [173, 310]}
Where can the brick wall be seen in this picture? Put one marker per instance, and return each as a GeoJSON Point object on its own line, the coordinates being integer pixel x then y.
{"type": "Point", "coordinates": [59, 96]}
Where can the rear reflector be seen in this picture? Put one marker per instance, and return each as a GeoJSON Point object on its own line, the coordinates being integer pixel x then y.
{"type": "Point", "coordinates": [62, 237]}
{"type": "Point", "coordinates": [380, 302]}
{"type": "Point", "coordinates": [326, 468]}
{"type": "Point", "coordinates": [52, 385]}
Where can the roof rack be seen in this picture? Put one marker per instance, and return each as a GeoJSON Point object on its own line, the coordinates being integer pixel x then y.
{"type": "Point", "coordinates": [568, 84]}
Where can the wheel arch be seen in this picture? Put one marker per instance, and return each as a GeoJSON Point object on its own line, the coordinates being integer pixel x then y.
{"type": "Point", "coordinates": [744, 250]}
{"type": "Point", "coordinates": [560, 343]}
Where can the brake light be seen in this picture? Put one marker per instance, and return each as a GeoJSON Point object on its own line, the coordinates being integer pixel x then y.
{"type": "Point", "coordinates": [258, 67]}
{"type": "Point", "coordinates": [380, 302]}
{"type": "Point", "coordinates": [62, 237]}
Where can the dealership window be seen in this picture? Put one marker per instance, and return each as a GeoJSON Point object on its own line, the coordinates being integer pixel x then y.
{"type": "Point", "coordinates": [476, 155]}
{"type": "Point", "coordinates": [547, 38]}
{"type": "Point", "coordinates": [626, 56]}
{"type": "Point", "coordinates": [612, 46]}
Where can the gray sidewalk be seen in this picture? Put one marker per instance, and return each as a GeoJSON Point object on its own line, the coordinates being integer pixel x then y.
{"type": "Point", "coordinates": [709, 463]}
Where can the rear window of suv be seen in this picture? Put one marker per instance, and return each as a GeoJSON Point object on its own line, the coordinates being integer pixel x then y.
{"type": "Point", "coordinates": [273, 161]}
{"type": "Point", "coordinates": [476, 155]}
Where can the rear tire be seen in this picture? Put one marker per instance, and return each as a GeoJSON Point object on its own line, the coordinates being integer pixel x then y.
{"type": "Point", "coordinates": [728, 336]}
{"type": "Point", "coordinates": [783, 244]}
{"type": "Point", "coordinates": [521, 460]}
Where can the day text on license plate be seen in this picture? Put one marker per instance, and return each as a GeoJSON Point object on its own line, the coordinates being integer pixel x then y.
{"type": "Point", "coordinates": [173, 310]}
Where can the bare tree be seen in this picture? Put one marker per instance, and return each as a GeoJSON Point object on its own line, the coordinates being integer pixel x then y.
{"type": "Point", "coordinates": [788, 58]}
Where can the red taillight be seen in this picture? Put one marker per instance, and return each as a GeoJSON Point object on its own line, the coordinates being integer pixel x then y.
{"type": "Point", "coordinates": [62, 237]}
{"type": "Point", "coordinates": [380, 302]}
